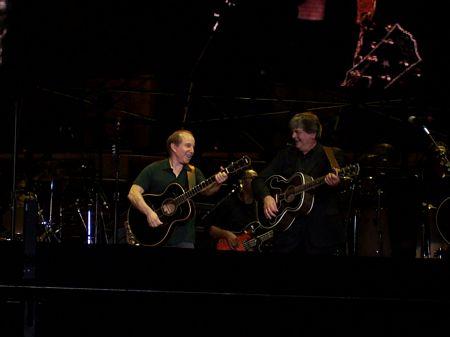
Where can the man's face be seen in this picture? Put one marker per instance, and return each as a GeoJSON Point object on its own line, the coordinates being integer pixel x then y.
{"type": "Point", "coordinates": [247, 182]}
{"type": "Point", "coordinates": [303, 141]}
{"type": "Point", "coordinates": [184, 151]}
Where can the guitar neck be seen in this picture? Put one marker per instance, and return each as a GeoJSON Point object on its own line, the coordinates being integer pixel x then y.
{"type": "Point", "coordinates": [259, 239]}
{"type": "Point", "coordinates": [310, 185]}
{"type": "Point", "coordinates": [317, 182]}
{"type": "Point", "coordinates": [232, 168]}
{"type": "Point", "coordinates": [194, 190]}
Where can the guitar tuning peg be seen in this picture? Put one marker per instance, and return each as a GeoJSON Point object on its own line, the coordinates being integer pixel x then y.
{"type": "Point", "coordinates": [404, 63]}
{"type": "Point", "coordinates": [372, 58]}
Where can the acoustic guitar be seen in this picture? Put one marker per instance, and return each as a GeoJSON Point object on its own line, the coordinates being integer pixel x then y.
{"type": "Point", "coordinates": [172, 206]}
{"type": "Point", "coordinates": [292, 196]}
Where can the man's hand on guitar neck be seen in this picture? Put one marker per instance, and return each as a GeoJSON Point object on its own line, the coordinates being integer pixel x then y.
{"type": "Point", "coordinates": [220, 178]}
{"type": "Point", "coordinates": [270, 207]}
{"type": "Point", "coordinates": [332, 179]}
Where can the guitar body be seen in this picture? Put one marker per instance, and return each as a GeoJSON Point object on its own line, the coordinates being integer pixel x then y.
{"type": "Point", "coordinates": [293, 196]}
{"type": "Point", "coordinates": [223, 244]}
{"type": "Point", "coordinates": [172, 206]}
{"type": "Point", "coordinates": [289, 202]}
{"type": "Point", "coordinates": [168, 212]}
{"type": "Point", "coordinates": [253, 238]}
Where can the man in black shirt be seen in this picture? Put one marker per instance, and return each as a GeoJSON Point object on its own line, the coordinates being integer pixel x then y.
{"type": "Point", "coordinates": [322, 231]}
{"type": "Point", "coordinates": [155, 178]}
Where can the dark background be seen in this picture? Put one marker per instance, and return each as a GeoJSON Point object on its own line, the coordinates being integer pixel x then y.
{"type": "Point", "coordinates": [82, 59]}
{"type": "Point", "coordinates": [85, 76]}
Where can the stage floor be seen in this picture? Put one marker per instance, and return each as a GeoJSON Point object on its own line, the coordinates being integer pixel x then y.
{"type": "Point", "coordinates": [136, 291]}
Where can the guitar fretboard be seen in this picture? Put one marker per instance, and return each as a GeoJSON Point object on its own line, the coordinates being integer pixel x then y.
{"type": "Point", "coordinates": [194, 191]}
{"type": "Point", "coordinates": [320, 181]}
{"type": "Point", "coordinates": [261, 238]}
{"type": "Point", "coordinates": [232, 168]}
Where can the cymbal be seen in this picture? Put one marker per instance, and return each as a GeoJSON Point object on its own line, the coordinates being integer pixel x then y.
{"type": "Point", "coordinates": [382, 147]}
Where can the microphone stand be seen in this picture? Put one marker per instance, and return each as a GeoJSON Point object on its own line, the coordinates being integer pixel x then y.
{"type": "Point", "coordinates": [444, 161]}
{"type": "Point", "coordinates": [116, 161]}
{"type": "Point", "coordinates": [17, 109]}
{"type": "Point", "coordinates": [215, 28]}
{"type": "Point", "coordinates": [236, 188]}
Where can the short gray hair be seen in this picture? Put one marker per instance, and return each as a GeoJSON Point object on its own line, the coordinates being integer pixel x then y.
{"type": "Point", "coordinates": [308, 122]}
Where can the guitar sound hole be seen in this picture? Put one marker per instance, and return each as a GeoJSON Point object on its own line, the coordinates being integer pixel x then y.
{"type": "Point", "coordinates": [168, 208]}
{"type": "Point", "coordinates": [289, 194]}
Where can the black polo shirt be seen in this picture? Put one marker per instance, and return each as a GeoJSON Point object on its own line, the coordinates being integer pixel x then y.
{"type": "Point", "coordinates": [155, 178]}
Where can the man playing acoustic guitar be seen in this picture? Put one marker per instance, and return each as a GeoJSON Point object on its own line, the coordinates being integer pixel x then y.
{"type": "Point", "coordinates": [320, 229]}
{"type": "Point", "coordinates": [159, 179]}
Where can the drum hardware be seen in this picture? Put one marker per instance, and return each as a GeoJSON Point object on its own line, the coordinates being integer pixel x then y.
{"type": "Point", "coordinates": [443, 160]}
{"type": "Point", "coordinates": [351, 220]}
{"type": "Point", "coordinates": [90, 229]}
{"type": "Point", "coordinates": [51, 232]}
{"type": "Point", "coordinates": [380, 239]}
{"type": "Point", "coordinates": [441, 151]}
{"type": "Point", "coordinates": [367, 219]}
{"type": "Point", "coordinates": [443, 220]}
{"type": "Point", "coordinates": [91, 214]}
{"type": "Point", "coordinates": [116, 161]}
{"type": "Point", "coordinates": [428, 245]}
{"type": "Point", "coordinates": [434, 230]}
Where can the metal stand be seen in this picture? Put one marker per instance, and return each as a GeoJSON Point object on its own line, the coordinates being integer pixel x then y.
{"type": "Point", "coordinates": [236, 188]}
{"type": "Point", "coordinates": [90, 226]}
{"type": "Point", "coordinates": [116, 197]}
{"type": "Point", "coordinates": [17, 109]}
{"type": "Point", "coordinates": [50, 230]}
{"type": "Point", "coordinates": [349, 219]}
{"type": "Point", "coordinates": [215, 28]}
{"type": "Point", "coordinates": [369, 229]}
{"type": "Point", "coordinates": [380, 236]}
{"type": "Point", "coordinates": [444, 161]}
{"type": "Point", "coordinates": [429, 245]}
{"type": "Point", "coordinates": [29, 268]}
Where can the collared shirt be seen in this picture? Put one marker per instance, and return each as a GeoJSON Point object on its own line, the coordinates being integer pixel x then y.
{"type": "Point", "coordinates": [290, 160]}
{"type": "Point", "coordinates": [323, 226]}
{"type": "Point", "coordinates": [155, 178]}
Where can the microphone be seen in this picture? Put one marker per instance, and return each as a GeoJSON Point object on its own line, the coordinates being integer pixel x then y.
{"type": "Point", "coordinates": [414, 120]}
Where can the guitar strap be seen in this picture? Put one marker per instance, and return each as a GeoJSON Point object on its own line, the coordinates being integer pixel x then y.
{"type": "Point", "coordinates": [191, 176]}
{"type": "Point", "coordinates": [331, 157]}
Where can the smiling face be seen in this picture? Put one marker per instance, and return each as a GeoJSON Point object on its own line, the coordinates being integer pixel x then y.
{"type": "Point", "coordinates": [304, 141]}
{"type": "Point", "coordinates": [182, 152]}
{"type": "Point", "coordinates": [306, 130]}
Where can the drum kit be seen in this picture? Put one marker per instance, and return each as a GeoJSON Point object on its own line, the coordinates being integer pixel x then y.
{"type": "Point", "coordinates": [373, 196]}
{"type": "Point", "coordinates": [71, 204]}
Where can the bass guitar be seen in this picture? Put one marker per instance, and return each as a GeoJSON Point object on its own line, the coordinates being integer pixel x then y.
{"type": "Point", "coordinates": [292, 197]}
{"type": "Point", "coordinates": [248, 240]}
{"type": "Point", "coordinates": [171, 206]}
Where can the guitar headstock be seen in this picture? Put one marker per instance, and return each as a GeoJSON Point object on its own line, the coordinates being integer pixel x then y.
{"type": "Point", "coordinates": [238, 165]}
{"type": "Point", "coordinates": [349, 171]}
